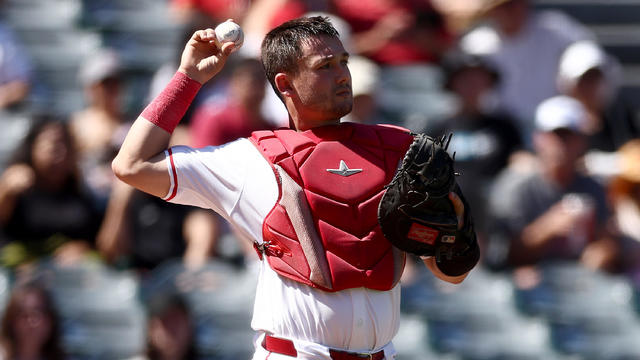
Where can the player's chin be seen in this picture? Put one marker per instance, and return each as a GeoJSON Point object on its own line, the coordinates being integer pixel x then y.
{"type": "Point", "coordinates": [343, 104]}
{"type": "Point", "coordinates": [343, 110]}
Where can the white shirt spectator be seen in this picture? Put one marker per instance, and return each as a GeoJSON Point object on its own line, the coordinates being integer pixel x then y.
{"type": "Point", "coordinates": [528, 61]}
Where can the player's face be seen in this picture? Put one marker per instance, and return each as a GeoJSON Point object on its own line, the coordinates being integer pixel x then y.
{"type": "Point", "coordinates": [322, 82]}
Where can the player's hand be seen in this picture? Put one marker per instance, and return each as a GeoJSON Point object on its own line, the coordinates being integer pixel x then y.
{"type": "Point", "coordinates": [202, 59]}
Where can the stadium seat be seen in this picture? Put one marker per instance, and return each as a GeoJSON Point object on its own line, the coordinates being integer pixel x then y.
{"type": "Point", "coordinates": [590, 314]}
{"type": "Point", "coordinates": [101, 316]}
{"type": "Point", "coordinates": [476, 319]}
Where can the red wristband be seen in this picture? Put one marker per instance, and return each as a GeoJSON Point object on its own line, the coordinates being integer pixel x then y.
{"type": "Point", "coordinates": [168, 108]}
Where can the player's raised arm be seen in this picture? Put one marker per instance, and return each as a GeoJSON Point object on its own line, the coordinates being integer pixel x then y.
{"type": "Point", "coordinates": [141, 161]}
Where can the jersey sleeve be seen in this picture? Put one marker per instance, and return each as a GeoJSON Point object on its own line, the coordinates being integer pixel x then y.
{"type": "Point", "coordinates": [232, 179]}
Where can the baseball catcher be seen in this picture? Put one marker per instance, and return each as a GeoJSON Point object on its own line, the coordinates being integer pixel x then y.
{"type": "Point", "coordinates": [417, 214]}
{"type": "Point", "coordinates": [307, 196]}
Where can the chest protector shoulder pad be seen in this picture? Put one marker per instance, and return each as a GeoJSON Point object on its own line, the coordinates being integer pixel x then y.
{"type": "Point", "coordinates": [323, 230]}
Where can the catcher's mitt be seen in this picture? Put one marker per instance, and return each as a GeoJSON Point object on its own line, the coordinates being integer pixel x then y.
{"type": "Point", "coordinates": [415, 212]}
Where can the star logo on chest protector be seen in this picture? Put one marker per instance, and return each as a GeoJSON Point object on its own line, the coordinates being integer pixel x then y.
{"type": "Point", "coordinates": [343, 170]}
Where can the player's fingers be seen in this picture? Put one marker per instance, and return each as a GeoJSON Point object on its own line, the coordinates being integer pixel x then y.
{"type": "Point", "coordinates": [205, 35]}
{"type": "Point", "coordinates": [458, 207]}
{"type": "Point", "coordinates": [228, 47]}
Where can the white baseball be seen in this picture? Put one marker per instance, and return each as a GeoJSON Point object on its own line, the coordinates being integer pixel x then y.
{"type": "Point", "coordinates": [229, 31]}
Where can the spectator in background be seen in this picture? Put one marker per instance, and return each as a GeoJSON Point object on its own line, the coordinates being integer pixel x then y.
{"type": "Point", "coordinates": [459, 15]}
{"type": "Point", "coordinates": [204, 12]}
{"type": "Point", "coordinates": [30, 328]}
{"type": "Point", "coordinates": [141, 231]}
{"type": "Point", "coordinates": [526, 46]}
{"type": "Point", "coordinates": [44, 208]}
{"type": "Point", "coordinates": [624, 192]}
{"type": "Point", "coordinates": [98, 128]}
{"type": "Point", "coordinates": [483, 137]}
{"type": "Point", "coordinates": [554, 213]}
{"type": "Point", "coordinates": [170, 329]}
{"type": "Point", "coordinates": [395, 32]}
{"type": "Point", "coordinates": [237, 113]}
{"type": "Point", "coordinates": [589, 75]}
{"type": "Point", "coordinates": [15, 69]}
{"type": "Point", "coordinates": [264, 15]}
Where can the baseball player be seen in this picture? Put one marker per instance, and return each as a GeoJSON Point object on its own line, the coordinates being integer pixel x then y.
{"type": "Point", "coordinates": [307, 197]}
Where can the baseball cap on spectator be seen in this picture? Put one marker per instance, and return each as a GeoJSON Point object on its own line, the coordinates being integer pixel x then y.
{"type": "Point", "coordinates": [102, 65]}
{"type": "Point", "coordinates": [560, 112]}
{"type": "Point", "coordinates": [456, 61]}
{"type": "Point", "coordinates": [576, 60]}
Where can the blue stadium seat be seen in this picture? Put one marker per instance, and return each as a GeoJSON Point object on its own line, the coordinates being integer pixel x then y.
{"type": "Point", "coordinates": [101, 316]}
{"type": "Point", "coordinates": [590, 314]}
{"type": "Point", "coordinates": [412, 341]}
{"type": "Point", "coordinates": [568, 285]}
{"type": "Point", "coordinates": [476, 319]}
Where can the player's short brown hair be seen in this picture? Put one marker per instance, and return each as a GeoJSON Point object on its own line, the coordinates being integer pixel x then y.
{"type": "Point", "coordinates": [282, 46]}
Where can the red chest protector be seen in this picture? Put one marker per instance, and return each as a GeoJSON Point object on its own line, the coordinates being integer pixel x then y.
{"type": "Point", "coordinates": [324, 231]}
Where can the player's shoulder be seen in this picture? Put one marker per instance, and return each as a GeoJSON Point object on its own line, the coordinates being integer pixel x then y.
{"type": "Point", "coordinates": [239, 147]}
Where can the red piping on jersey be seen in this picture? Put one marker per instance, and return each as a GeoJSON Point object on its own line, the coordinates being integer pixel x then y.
{"type": "Point", "coordinates": [174, 174]}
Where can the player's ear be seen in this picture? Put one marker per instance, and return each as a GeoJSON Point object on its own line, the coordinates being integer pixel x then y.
{"type": "Point", "coordinates": [283, 84]}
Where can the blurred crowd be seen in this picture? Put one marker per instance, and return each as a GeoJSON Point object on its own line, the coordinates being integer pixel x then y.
{"type": "Point", "coordinates": [547, 150]}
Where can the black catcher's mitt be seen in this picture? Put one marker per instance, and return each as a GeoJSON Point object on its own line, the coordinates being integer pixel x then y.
{"type": "Point", "coordinates": [415, 212]}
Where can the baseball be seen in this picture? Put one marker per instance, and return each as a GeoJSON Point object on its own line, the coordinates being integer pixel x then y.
{"type": "Point", "coordinates": [229, 31]}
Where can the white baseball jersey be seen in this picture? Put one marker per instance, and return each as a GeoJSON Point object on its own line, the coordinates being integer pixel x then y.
{"type": "Point", "coordinates": [237, 182]}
